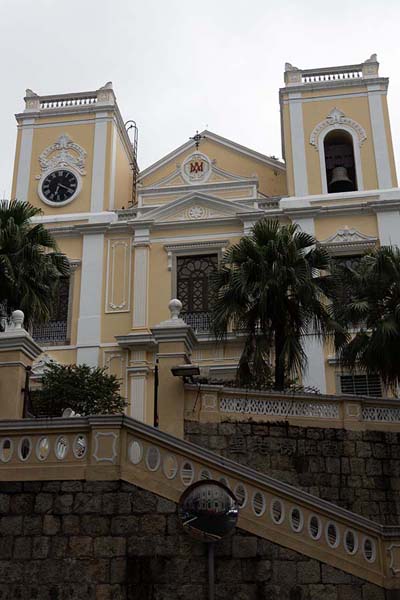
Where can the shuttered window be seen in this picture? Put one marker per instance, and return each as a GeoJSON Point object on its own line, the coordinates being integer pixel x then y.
{"type": "Point", "coordinates": [361, 385]}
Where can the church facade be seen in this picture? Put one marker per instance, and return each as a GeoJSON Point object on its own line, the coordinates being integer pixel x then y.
{"type": "Point", "coordinates": [136, 240]}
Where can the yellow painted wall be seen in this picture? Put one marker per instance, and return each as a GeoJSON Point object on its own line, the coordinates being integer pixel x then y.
{"type": "Point", "coordinates": [42, 137]}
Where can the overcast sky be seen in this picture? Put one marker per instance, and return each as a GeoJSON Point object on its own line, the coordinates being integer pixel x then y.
{"type": "Point", "coordinates": [182, 65]}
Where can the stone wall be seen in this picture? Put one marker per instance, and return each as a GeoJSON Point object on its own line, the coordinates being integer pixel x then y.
{"type": "Point", "coordinates": [359, 471]}
{"type": "Point", "coordinates": [111, 540]}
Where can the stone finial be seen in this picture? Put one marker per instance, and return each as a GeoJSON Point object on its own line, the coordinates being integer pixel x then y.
{"type": "Point", "coordinates": [32, 101]}
{"type": "Point", "coordinates": [370, 67]}
{"type": "Point", "coordinates": [17, 317]}
{"type": "Point", "coordinates": [175, 307]}
{"type": "Point", "coordinates": [372, 58]}
{"type": "Point", "coordinates": [105, 94]}
{"type": "Point", "coordinates": [289, 67]}
{"type": "Point", "coordinates": [292, 75]}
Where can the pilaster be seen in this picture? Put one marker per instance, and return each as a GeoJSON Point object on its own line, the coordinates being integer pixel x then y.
{"type": "Point", "coordinates": [175, 342]}
{"type": "Point", "coordinates": [17, 352]}
{"type": "Point", "coordinates": [89, 322]}
{"type": "Point", "coordinates": [141, 244]}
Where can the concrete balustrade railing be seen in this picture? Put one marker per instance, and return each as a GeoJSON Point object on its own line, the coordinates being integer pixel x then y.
{"type": "Point", "coordinates": [116, 447]}
{"type": "Point", "coordinates": [216, 403]}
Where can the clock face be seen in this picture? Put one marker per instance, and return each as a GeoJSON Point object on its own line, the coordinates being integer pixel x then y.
{"type": "Point", "coordinates": [59, 186]}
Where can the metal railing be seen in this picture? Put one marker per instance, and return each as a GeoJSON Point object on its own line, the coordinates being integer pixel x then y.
{"type": "Point", "coordinates": [53, 332]}
{"type": "Point", "coordinates": [199, 321]}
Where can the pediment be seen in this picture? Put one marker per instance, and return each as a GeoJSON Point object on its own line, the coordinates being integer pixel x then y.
{"type": "Point", "coordinates": [198, 207]}
{"type": "Point", "coordinates": [349, 238]}
{"type": "Point", "coordinates": [197, 169]}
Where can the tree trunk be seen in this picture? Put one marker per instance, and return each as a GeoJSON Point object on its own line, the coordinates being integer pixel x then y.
{"type": "Point", "coordinates": [279, 361]}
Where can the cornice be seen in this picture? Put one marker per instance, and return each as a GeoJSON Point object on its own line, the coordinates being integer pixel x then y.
{"type": "Point", "coordinates": [328, 85]}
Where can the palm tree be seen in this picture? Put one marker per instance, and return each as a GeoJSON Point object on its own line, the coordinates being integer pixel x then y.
{"type": "Point", "coordinates": [30, 263]}
{"type": "Point", "coordinates": [270, 286]}
{"type": "Point", "coordinates": [374, 312]}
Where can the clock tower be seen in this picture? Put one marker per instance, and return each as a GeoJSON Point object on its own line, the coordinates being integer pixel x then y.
{"type": "Point", "coordinates": [73, 153]}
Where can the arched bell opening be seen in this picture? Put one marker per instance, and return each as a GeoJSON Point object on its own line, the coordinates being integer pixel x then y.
{"type": "Point", "coordinates": [339, 162]}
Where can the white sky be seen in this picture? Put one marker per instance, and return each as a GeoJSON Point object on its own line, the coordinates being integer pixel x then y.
{"type": "Point", "coordinates": [182, 65]}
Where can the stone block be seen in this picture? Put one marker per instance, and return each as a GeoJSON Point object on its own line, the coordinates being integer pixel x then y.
{"type": "Point", "coordinates": [58, 547]}
{"type": "Point", "coordinates": [331, 575]}
{"type": "Point", "coordinates": [70, 524]}
{"type": "Point", "coordinates": [100, 487]}
{"type": "Point", "coordinates": [80, 546]}
{"type": "Point", "coordinates": [284, 571]}
{"type": "Point", "coordinates": [6, 547]}
{"type": "Point", "coordinates": [71, 486]}
{"type": "Point", "coordinates": [95, 525]}
{"type": "Point", "coordinates": [349, 592]}
{"type": "Point", "coordinates": [40, 546]}
{"type": "Point", "coordinates": [373, 592]}
{"type": "Point", "coordinates": [44, 503]}
{"type": "Point", "coordinates": [308, 572]}
{"type": "Point", "coordinates": [4, 503]}
{"type": "Point", "coordinates": [152, 525]}
{"type": "Point", "coordinates": [166, 506]}
{"type": "Point", "coordinates": [263, 570]}
{"type": "Point", "coordinates": [228, 570]}
{"type": "Point", "coordinates": [143, 501]}
{"type": "Point", "coordinates": [33, 525]}
{"type": "Point", "coordinates": [22, 548]}
{"type": "Point", "coordinates": [125, 525]}
{"type": "Point", "coordinates": [22, 503]}
{"type": "Point", "coordinates": [118, 570]}
{"type": "Point", "coordinates": [11, 525]}
{"type": "Point", "coordinates": [63, 504]}
{"type": "Point", "coordinates": [327, 592]}
{"type": "Point", "coordinates": [51, 525]}
{"type": "Point", "coordinates": [109, 547]}
{"type": "Point", "coordinates": [87, 503]}
{"type": "Point", "coordinates": [244, 547]}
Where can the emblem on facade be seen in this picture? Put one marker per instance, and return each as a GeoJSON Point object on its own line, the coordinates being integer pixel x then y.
{"type": "Point", "coordinates": [63, 153]}
{"type": "Point", "coordinates": [196, 168]}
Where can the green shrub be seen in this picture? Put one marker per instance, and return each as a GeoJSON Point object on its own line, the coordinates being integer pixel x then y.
{"type": "Point", "coordinates": [87, 390]}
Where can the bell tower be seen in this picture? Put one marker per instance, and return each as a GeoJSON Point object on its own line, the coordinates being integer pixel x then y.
{"type": "Point", "coordinates": [335, 129]}
{"type": "Point", "coordinates": [73, 153]}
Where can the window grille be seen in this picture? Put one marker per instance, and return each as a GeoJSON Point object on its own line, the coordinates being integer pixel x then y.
{"type": "Point", "coordinates": [193, 288]}
{"type": "Point", "coordinates": [361, 385]}
{"type": "Point", "coordinates": [55, 330]}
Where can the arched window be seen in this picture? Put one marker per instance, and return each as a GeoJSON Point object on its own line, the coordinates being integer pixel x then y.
{"type": "Point", "coordinates": [340, 166]}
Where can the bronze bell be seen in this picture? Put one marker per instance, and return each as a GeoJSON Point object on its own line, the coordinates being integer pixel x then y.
{"type": "Point", "coordinates": [340, 181]}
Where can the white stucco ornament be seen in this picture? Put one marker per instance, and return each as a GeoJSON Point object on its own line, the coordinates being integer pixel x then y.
{"type": "Point", "coordinates": [63, 153]}
{"type": "Point", "coordinates": [336, 119]}
{"type": "Point", "coordinates": [196, 168]}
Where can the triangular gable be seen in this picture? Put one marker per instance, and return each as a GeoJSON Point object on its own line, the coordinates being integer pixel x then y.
{"type": "Point", "coordinates": [197, 207]}
{"type": "Point", "coordinates": [176, 154]}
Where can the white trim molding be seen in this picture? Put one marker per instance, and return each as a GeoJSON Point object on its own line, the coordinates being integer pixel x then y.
{"type": "Point", "coordinates": [336, 120]}
{"type": "Point", "coordinates": [99, 163]}
{"type": "Point", "coordinates": [24, 161]}
{"type": "Point", "coordinates": [298, 146]}
{"type": "Point", "coordinates": [90, 309]}
{"type": "Point", "coordinates": [141, 246]}
{"type": "Point", "coordinates": [379, 137]}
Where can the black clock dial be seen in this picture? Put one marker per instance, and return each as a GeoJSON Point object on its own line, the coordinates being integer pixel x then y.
{"type": "Point", "coordinates": [59, 186]}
